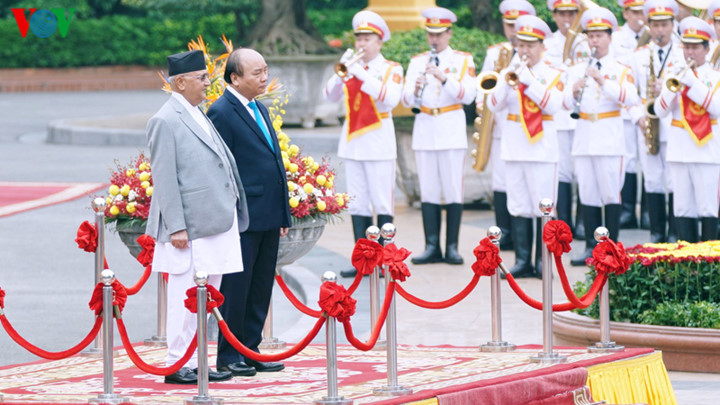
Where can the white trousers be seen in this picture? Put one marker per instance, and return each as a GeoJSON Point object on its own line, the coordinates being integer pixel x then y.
{"type": "Point", "coordinates": [654, 167]}
{"type": "Point", "coordinates": [631, 146]}
{"type": "Point", "coordinates": [565, 138]}
{"type": "Point", "coordinates": [440, 174]}
{"type": "Point", "coordinates": [372, 184]}
{"type": "Point", "coordinates": [181, 324]}
{"type": "Point", "coordinates": [600, 179]}
{"type": "Point", "coordinates": [498, 166]}
{"type": "Point", "coordinates": [697, 189]}
{"type": "Point", "coordinates": [527, 184]}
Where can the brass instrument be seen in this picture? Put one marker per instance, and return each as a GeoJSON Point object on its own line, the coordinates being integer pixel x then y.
{"type": "Point", "coordinates": [645, 37]}
{"type": "Point", "coordinates": [484, 123]}
{"type": "Point", "coordinates": [418, 98]}
{"type": "Point", "coordinates": [673, 83]}
{"type": "Point", "coordinates": [511, 77]}
{"type": "Point", "coordinates": [652, 123]}
{"type": "Point", "coordinates": [576, 113]}
{"type": "Point", "coordinates": [352, 56]}
{"type": "Point", "coordinates": [715, 56]}
{"type": "Point", "coordinates": [574, 31]}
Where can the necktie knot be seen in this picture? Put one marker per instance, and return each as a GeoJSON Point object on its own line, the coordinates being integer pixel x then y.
{"type": "Point", "coordinates": [660, 54]}
{"type": "Point", "coordinates": [599, 65]}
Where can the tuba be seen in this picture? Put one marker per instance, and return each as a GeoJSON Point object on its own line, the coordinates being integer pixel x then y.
{"type": "Point", "coordinates": [574, 32]}
{"type": "Point", "coordinates": [652, 123]}
{"type": "Point", "coordinates": [484, 123]}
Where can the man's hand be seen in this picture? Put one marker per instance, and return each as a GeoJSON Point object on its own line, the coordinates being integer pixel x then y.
{"type": "Point", "coordinates": [642, 124]}
{"type": "Point", "coordinates": [433, 69]}
{"type": "Point", "coordinates": [419, 83]}
{"type": "Point", "coordinates": [179, 239]}
{"type": "Point", "coordinates": [284, 231]}
{"type": "Point", "coordinates": [577, 87]}
{"type": "Point", "coordinates": [596, 75]}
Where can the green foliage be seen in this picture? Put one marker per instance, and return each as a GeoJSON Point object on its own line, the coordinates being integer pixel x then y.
{"type": "Point", "coordinates": [641, 291]}
{"type": "Point", "coordinates": [116, 40]}
{"type": "Point", "coordinates": [332, 23]}
{"type": "Point", "coordinates": [691, 314]}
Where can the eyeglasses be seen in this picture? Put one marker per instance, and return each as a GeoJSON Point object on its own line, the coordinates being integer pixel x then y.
{"type": "Point", "coordinates": [202, 77]}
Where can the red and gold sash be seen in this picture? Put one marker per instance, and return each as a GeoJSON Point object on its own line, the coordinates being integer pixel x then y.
{"type": "Point", "coordinates": [530, 116]}
{"type": "Point", "coordinates": [361, 114]}
{"type": "Point", "coordinates": [695, 119]}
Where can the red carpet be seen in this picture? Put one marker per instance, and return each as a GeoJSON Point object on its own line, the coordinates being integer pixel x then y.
{"type": "Point", "coordinates": [455, 375]}
{"type": "Point", "coordinates": [17, 197]}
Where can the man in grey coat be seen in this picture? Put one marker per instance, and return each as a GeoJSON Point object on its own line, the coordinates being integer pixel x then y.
{"type": "Point", "coordinates": [198, 207]}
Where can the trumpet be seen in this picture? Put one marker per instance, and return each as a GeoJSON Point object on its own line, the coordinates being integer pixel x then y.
{"type": "Point", "coordinates": [351, 56]}
{"type": "Point", "coordinates": [418, 98]}
{"type": "Point", "coordinates": [673, 83]}
{"type": "Point", "coordinates": [576, 113]}
{"type": "Point", "coordinates": [511, 77]}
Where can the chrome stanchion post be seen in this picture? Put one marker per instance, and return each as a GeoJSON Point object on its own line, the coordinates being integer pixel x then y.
{"type": "Point", "coordinates": [107, 277]}
{"type": "Point", "coordinates": [605, 345]}
{"type": "Point", "coordinates": [547, 355]}
{"type": "Point", "coordinates": [496, 344]}
{"type": "Point", "coordinates": [373, 233]}
{"type": "Point", "coordinates": [392, 388]}
{"type": "Point", "coordinates": [160, 339]}
{"type": "Point", "coordinates": [203, 398]}
{"type": "Point", "coordinates": [98, 205]}
{"type": "Point", "coordinates": [332, 397]}
{"type": "Point", "coordinates": [268, 340]}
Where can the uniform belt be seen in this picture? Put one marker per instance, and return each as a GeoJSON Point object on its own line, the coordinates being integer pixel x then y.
{"type": "Point", "coordinates": [440, 110]}
{"type": "Point", "coordinates": [516, 118]}
{"type": "Point", "coordinates": [598, 116]}
{"type": "Point", "coordinates": [679, 124]}
{"type": "Point", "coordinates": [384, 115]}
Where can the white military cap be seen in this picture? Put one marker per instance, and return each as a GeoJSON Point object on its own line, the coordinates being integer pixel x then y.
{"type": "Point", "coordinates": [512, 9]}
{"type": "Point", "coordinates": [438, 19]}
{"type": "Point", "coordinates": [531, 28]}
{"type": "Point", "coordinates": [598, 19]}
{"type": "Point", "coordinates": [695, 30]}
{"type": "Point", "coordinates": [714, 10]}
{"type": "Point", "coordinates": [368, 22]}
{"type": "Point", "coordinates": [660, 9]}
{"type": "Point", "coordinates": [563, 5]}
{"type": "Point", "coordinates": [631, 4]}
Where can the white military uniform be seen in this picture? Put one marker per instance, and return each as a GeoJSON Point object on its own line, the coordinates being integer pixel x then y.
{"type": "Point", "coordinates": [370, 157]}
{"type": "Point", "coordinates": [439, 131]}
{"type": "Point", "coordinates": [531, 165]}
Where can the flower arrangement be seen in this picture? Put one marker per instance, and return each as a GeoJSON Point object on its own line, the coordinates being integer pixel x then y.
{"type": "Point", "coordinates": [128, 197]}
{"type": "Point", "coordinates": [651, 253]}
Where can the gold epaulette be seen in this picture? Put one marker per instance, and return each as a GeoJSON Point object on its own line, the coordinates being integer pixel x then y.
{"type": "Point", "coordinates": [420, 54]}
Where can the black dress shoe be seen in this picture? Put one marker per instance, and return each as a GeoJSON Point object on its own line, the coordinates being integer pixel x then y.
{"type": "Point", "coordinates": [182, 376]}
{"type": "Point", "coordinates": [239, 369]}
{"type": "Point", "coordinates": [217, 375]}
{"type": "Point", "coordinates": [265, 366]}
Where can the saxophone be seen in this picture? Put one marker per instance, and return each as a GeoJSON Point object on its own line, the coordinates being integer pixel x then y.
{"type": "Point", "coordinates": [485, 122]}
{"type": "Point", "coordinates": [652, 123]}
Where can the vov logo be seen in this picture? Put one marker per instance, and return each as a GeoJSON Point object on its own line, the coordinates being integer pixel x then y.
{"type": "Point", "coordinates": [43, 23]}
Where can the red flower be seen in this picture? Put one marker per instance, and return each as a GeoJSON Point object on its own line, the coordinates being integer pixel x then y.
{"type": "Point", "coordinates": [335, 43]}
{"type": "Point", "coordinates": [488, 258]}
{"type": "Point", "coordinates": [366, 256]}
{"type": "Point", "coordinates": [148, 244]}
{"type": "Point", "coordinates": [394, 258]}
{"type": "Point", "coordinates": [609, 257]}
{"type": "Point", "coordinates": [336, 302]}
{"type": "Point", "coordinates": [557, 236]}
{"type": "Point", "coordinates": [87, 237]}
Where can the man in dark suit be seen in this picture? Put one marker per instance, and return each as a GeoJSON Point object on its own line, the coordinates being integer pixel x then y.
{"type": "Point", "coordinates": [245, 126]}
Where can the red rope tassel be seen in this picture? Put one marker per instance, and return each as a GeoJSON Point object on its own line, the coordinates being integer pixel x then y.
{"type": "Point", "coordinates": [139, 363]}
{"type": "Point", "coordinates": [376, 328]}
{"type": "Point", "coordinates": [269, 357]}
{"type": "Point", "coordinates": [295, 301]}
{"type": "Point", "coordinates": [141, 282]}
{"type": "Point", "coordinates": [51, 355]}
{"type": "Point", "coordinates": [441, 304]}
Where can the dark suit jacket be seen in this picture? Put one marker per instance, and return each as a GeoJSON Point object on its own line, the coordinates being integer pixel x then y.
{"type": "Point", "coordinates": [261, 170]}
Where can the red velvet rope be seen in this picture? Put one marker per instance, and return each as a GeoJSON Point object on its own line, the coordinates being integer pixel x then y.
{"type": "Point", "coordinates": [51, 355]}
{"type": "Point", "coordinates": [565, 306]}
{"type": "Point", "coordinates": [356, 283]}
{"type": "Point", "coordinates": [586, 299]}
{"type": "Point", "coordinates": [440, 304]}
{"type": "Point", "coordinates": [142, 365]}
{"type": "Point", "coordinates": [365, 346]}
{"type": "Point", "coordinates": [269, 357]}
{"type": "Point", "coordinates": [2, 298]}
{"type": "Point", "coordinates": [141, 282]}
{"type": "Point", "coordinates": [295, 301]}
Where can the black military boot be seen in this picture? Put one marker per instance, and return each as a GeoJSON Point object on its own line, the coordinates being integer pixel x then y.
{"type": "Point", "coordinates": [431, 224]}
{"type": "Point", "coordinates": [539, 246]}
{"type": "Point", "coordinates": [592, 217]}
{"type": "Point", "coordinates": [612, 220]}
{"type": "Point", "coordinates": [644, 210]}
{"type": "Point", "coordinates": [564, 204]}
{"type": "Point", "coordinates": [579, 230]}
{"type": "Point", "coordinates": [522, 231]}
{"type": "Point", "coordinates": [502, 219]}
{"type": "Point", "coordinates": [658, 218]}
{"type": "Point", "coordinates": [708, 228]}
{"type": "Point", "coordinates": [687, 229]}
{"type": "Point", "coordinates": [672, 228]}
{"type": "Point", "coordinates": [360, 224]}
{"type": "Point", "coordinates": [454, 215]}
{"type": "Point", "coordinates": [382, 220]}
{"type": "Point", "coordinates": [628, 194]}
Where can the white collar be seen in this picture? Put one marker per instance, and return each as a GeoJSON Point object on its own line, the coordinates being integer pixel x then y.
{"type": "Point", "coordinates": [237, 95]}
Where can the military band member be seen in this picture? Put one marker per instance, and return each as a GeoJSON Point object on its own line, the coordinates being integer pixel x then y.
{"type": "Point", "coordinates": [666, 57]}
{"type": "Point", "coordinates": [597, 91]}
{"type": "Point", "coordinates": [530, 91]}
{"type": "Point", "coordinates": [693, 145]}
{"type": "Point", "coordinates": [625, 39]}
{"type": "Point", "coordinates": [510, 10]}
{"type": "Point", "coordinates": [439, 82]}
{"type": "Point", "coordinates": [714, 13]}
{"type": "Point", "coordinates": [564, 14]}
{"type": "Point", "coordinates": [371, 89]}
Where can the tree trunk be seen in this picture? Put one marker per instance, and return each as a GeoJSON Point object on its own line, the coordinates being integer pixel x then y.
{"type": "Point", "coordinates": [284, 29]}
{"type": "Point", "coordinates": [483, 15]}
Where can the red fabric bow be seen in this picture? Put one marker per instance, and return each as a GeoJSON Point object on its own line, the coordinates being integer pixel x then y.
{"type": "Point", "coordinates": [148, 244]}
{"type": "Point", "coordinates": [558, 237]}
{"type": "Point", "coordinates": [366, 255]}
{"type": "Point", "coordinates": [336, 302]}
{"type": "Point", "coordinates": [214, 299]}
{"type": "Point", "coordinates": [2, 298]}
{"type": "Point", "coordinates": [488, 258]}
{"type": "Point", "coordinates": [119, 297]}
{"type": "Point", "coordinates": [87, 237]}
{"type": "Point", "coordinates": [609, 257]}
{"type": "Point", "coordinates": [394, 258]}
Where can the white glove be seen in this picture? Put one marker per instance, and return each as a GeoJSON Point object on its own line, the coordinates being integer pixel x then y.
{"type": "Point", "coordinates": [688, 78]}
{"type": "Point", "coordinates": [525, 76]}
{"type": "Point", "coordinates": [357, 70]}
{"type": "Point", "coordinates": [347, 55]}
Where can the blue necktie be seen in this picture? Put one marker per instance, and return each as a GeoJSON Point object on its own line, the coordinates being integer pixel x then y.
{"type": "Point", "coordinates": [261, 123]}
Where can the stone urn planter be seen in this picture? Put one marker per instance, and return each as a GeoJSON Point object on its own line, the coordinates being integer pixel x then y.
{"type": "Point", "coordinates": [300, 239]}
{"type": "Point", "coordinates": [683, 349]}
{"type": "Point", "coordinates": [129, 232]}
